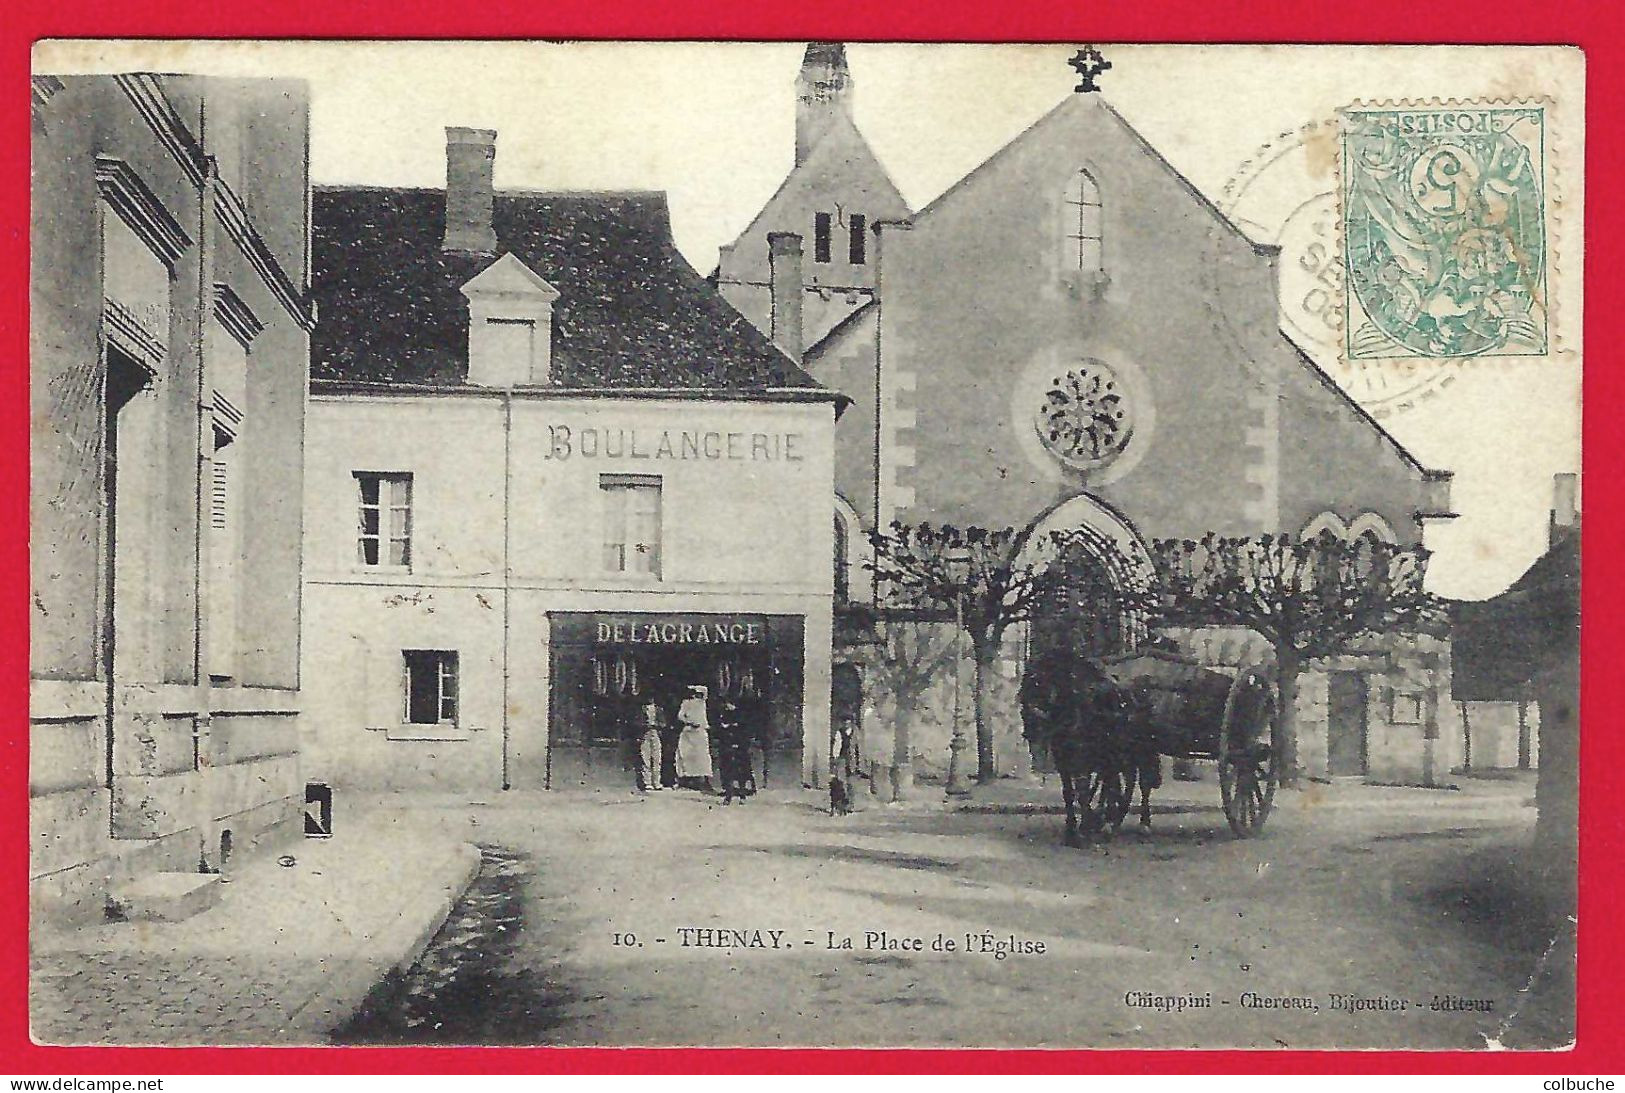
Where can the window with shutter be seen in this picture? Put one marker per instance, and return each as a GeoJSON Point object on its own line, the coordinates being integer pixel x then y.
{"type": "Point", "coordinates": [429, 685]}
{"type": "Point", "coordinates": [384, 519]}
{"type": "Point", "coordinates": [632, 521]}
{"type": "Point", "coordinates": [225, 548]}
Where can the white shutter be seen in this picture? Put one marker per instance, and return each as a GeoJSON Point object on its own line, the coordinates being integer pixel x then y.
{"type": "Point", "coordinates": [222, 584]}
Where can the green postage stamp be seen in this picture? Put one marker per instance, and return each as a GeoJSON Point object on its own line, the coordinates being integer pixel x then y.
{"type": "Point", "coordinates": [1445, 232]}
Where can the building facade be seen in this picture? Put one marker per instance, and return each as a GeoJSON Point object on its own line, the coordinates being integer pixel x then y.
{"type": "Point", "coordinates": [170, 327]}
{"type": "Point", "coordinates": [1073, 336]}
{"type": "Point", "coordinates": [552, 477]}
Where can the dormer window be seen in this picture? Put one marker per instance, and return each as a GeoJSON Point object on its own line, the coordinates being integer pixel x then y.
{"type": "Point", "coordinates": [512, 339]}
{"type": "Point", "coordinates": [510, 325]}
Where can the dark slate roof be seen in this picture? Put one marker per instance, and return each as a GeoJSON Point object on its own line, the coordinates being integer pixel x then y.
{"type": "Point", "coordinates": [631, 313]}
{"type": "Point", "coordinates": [1498, 645]}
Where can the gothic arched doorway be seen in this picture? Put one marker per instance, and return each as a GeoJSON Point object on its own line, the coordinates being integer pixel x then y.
{"type": "Point", "coordinates": [1102, 560]}
{"type": "Point", "coordinates": [1080, 611]}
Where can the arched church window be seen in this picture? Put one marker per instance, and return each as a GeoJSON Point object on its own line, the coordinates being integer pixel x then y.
{"type": "Point", "coordinates": [1083, 224]}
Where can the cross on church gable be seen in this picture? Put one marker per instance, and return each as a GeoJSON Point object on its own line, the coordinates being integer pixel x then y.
{"type": "Point", "coordinates": [1089, 63]}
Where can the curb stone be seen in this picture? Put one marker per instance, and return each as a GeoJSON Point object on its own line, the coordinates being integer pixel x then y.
{"type": "Point", "coordinates": [408, 935]}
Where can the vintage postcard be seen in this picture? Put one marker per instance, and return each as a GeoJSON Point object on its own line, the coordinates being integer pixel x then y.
{"type": "Point", "coordinates": [805, 544]}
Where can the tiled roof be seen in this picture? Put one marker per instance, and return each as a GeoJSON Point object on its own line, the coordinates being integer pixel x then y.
{"type": "Point", "coordinates": [632, 312]}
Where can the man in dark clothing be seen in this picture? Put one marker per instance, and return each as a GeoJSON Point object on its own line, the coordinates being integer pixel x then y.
{"type": "Point", "coordinates": [733, 754]}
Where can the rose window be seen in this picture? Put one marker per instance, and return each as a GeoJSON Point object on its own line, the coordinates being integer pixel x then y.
{"type": "Point", "coordinates": [1084, 419]}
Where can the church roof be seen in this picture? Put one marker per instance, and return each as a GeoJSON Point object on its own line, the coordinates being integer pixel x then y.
{"type": "Point", "coordinates": [632, 313]}
{"type": "Point", "coordinates": [1157, 157]}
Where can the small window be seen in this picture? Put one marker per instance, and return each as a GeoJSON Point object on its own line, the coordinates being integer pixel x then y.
{"type": "Point", "coordinates": [430, 686]}
{"type": "Point", "coordinates": [631, 524]}
{"type": "Point", "coordinates": [1408, 708]}
{"type": "Point", "coordinates": [1083, 225]}
{"type": "Point", "coordinates": [858, 247]}
{"type": "Point", "coordinates": [821, 230]}
{"type": "Point", "coordinates": [384, 531]}
{"type": "Point", "coordinates": [513, 344]}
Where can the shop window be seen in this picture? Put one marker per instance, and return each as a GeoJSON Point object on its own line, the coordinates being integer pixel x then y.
{"type": "Point", "coordinates": [631, 523]}
{"type": "Point", "coordinates": [821, 235]}
{"type": "Point", "coordinates": [1083, 225]}
{"type": "Point", "coordinates": [384, 531]}
{"type": "Point", "coordinates": [858, 242]}
{"type": "Point", "coordinates": [430, 685]}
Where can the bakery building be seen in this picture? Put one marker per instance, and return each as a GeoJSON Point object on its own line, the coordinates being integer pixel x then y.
{"type": "Point", "coordinates": [552, 477]}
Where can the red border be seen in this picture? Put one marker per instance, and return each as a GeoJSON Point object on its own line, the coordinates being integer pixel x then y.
{"type": "Point", "coordinates": [1595, 28]}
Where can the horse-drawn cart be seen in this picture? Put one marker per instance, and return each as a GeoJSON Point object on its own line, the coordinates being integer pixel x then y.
{"type": "Point", "coordinates": [1107, 723]}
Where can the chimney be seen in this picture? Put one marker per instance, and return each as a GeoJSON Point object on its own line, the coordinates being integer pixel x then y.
{"type": "Point", "coordinates": [1565, 508]}
{"type": "Point", "coordinates": [823, 89]}
{"type": "Point", "coordinates": [784, 281]}
{"type": "Point", "coordinates": [470, 159]}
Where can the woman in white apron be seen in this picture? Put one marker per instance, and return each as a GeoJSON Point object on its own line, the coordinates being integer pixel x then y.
{"type": "Point", "coordinates": [694, 743]}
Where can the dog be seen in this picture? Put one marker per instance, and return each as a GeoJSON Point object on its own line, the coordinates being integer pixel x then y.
{"type": "Point", "coordinates": [840, 797]}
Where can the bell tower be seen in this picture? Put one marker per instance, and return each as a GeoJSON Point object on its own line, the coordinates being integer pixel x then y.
{"type": "Point", "coordinates": [823, 89]}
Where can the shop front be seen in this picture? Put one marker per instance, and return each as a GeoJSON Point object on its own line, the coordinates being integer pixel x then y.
{"type": "Point", "coordinates": [605, 668]}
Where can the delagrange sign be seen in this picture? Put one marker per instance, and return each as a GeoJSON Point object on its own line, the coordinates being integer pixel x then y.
{"type": "Point", "coordinates": [679, 630]}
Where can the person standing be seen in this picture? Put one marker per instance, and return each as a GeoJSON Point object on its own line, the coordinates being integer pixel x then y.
{"type": "Point", "coordinates": [694, 742]}
{"type": "Point", "coordinates": [733, 754]}
{"type": "Point", "coordinates": [651, 722]}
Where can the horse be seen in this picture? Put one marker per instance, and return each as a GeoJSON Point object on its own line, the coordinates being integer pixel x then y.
{"type": "Point", "coordinates": [1098, 732]}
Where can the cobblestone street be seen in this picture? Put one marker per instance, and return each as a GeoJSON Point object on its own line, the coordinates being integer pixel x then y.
{"type": "Point", "coordinates": [1397, 897]}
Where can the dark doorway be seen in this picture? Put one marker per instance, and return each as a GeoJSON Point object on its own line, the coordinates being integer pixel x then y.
{"type": "Point", "coordinates": [1080, 613]}
{"type": "Point", "coordinates": [1346, 724]}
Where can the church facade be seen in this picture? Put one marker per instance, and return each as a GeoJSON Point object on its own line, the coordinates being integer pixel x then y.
{"type": "Point", "coordinates": [1074, 336]}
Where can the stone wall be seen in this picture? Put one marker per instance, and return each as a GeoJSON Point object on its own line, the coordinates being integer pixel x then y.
{"type": "Point", "coordinates": [151, 279]}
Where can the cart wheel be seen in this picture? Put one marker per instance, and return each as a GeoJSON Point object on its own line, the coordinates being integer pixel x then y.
{"type": "Point", "coordinates": [1105, 796]}
{"type": "Point", "coordinates": [1248, 766]}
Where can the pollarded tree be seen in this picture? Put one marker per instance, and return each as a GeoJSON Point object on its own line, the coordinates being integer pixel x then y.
{"type": "Point", "coordinates": [915, 649]}
{"type": "Point", "coordinates": [1309, 598]}
{"type": "Point", "coordinates": [989, 579]}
